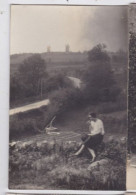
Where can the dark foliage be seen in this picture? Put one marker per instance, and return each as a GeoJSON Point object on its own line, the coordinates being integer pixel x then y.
{"type": "Point", "coordinates": [132, 93]}
{"type": "Point", "coordinates": [28, 80]}
{"type": "Point", "coordinates": [32, 83]}
{"type": "Point", "coordinates": [50, 166]}
{"type": "Point", "coordinates": [99, 77]}
{"type": "Point", "coordinates": [98, 53]}
{"type": "Point", "coordinates": [55, 82]}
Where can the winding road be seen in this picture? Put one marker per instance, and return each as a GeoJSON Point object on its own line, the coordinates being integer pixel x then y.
{"type": "Point", "coordinates": [29, 107]}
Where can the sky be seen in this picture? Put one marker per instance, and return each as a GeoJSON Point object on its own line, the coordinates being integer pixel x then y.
{"type": "Point", "coordinates": [35, 27]}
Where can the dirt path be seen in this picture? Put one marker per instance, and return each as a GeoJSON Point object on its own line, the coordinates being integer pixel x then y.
{"type": "Point", "coordinates": [29, 107]}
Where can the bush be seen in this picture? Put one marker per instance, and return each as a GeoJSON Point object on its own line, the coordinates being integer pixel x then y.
{"type": "Point", "coordinates": [132, 94]}
{"type": "Point", "coordinates": [100, 85]}
{"type": "Point", "coordinates": [98, 53]}
{"type": "Point", "coordinates": [31, 122]}
{"type": "Point", "coordinates": [27, 80]}
{"type": "Point", "coordinates": [109, 107]}
{"type": "Point", "coordinates": [52, 167]}
{"type": "Point", "coordinates": [115, 151]}
{"type": "Point", "coordinates": [22, 126]}
{"type": "Point", "coordinates": [63, 100]}
{"type": "Point", "coordinates": [56, 82]}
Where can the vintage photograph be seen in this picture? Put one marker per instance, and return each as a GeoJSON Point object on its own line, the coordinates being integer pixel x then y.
{"type": "Point", "coordinates": [68, 97]}
{"type": "Point", "coordinates": [131, 161]}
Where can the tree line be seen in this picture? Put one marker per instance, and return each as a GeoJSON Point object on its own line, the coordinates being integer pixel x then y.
{"type": "Point", "coordinates": [32, 81]}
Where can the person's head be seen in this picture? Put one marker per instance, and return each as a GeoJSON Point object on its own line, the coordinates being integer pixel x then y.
{"type": "Point", "coordinates": [92, 116]}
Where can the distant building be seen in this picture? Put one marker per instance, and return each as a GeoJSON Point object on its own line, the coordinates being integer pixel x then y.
{"type": "Point", "coordinates": [48, 49]}
{"type": "Point", "coordinates": [64, 57]}
{"type": "Point", "coordinates": [67, 48]}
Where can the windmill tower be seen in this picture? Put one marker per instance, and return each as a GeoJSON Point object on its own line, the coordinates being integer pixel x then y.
{"type": "Point", "coordinates": [67, 49]}
{"type": "Point", "coordinates": [48, 49]}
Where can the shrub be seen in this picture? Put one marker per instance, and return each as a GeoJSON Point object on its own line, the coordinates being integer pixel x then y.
{"type": "Point", "coordinates": [99, 77]}
{"type": "Point", "coordinates": [132, 93]}
{"type": "Point", "coordinates": [98, 53]}
{"type": "Point", "coordinates": [53, 167]}
{"type": "Point", "coordinates": [63, 100]}
{"type": "Point", "coordinates": [28, 79]}
{"type": "Point", "coordinates": [19, 128]}
{"type": "Point", "coordinates": [56, 82]}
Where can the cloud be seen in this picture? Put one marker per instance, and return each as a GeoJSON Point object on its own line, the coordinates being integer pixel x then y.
{"type": "Point", "coordinates": [109, 26]}
{"type": "Point", "coordinates": [34, 27]}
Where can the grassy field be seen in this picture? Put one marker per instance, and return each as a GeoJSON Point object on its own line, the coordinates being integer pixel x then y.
{"type": "Point", "coordinates": [29, 123]}
{"type": "Point", "coordinates": [43, 162]}
{"type": "Point", "coordinates": [49, 166]}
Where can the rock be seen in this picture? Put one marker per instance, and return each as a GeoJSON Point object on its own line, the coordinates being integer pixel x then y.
{"type": "Point", "coordinates": [97, 164]}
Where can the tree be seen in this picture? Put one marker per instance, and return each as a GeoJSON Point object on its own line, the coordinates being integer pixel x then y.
{"type": "Point", "coordinates": [15, 87]}
{"type": "Point", "coordinates": [99, 78]}
{"type": "Point", "coordinates": [98, 53]}
{"type": "Point", "coordinates": [33, 71]}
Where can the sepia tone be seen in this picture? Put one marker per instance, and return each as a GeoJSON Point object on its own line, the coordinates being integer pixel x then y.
{"type": "Point", "coordinates": [68, 97]}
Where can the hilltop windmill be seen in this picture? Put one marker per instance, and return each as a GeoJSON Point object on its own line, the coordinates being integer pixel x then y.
{"type": "Point", "coordinates": [67, 49]}
{"type": "Point", "coordinates": [48, 49]}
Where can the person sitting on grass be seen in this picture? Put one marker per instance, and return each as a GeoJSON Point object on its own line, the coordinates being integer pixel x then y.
{"type": "Point", "coordinates": [94, 138]}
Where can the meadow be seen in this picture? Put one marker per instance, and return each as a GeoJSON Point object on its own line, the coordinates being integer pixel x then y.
{"type": "Point", "coordinates": [50, 166]}
{"type": "Point", "coordinates": [47, 164]}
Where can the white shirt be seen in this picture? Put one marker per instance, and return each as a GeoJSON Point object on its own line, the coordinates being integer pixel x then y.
{"type": "Point", "coordinates": [96, 127]}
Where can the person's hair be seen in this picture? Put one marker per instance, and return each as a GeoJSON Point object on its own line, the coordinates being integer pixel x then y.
{"type": "Point", "coordinates": [93, 115]}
